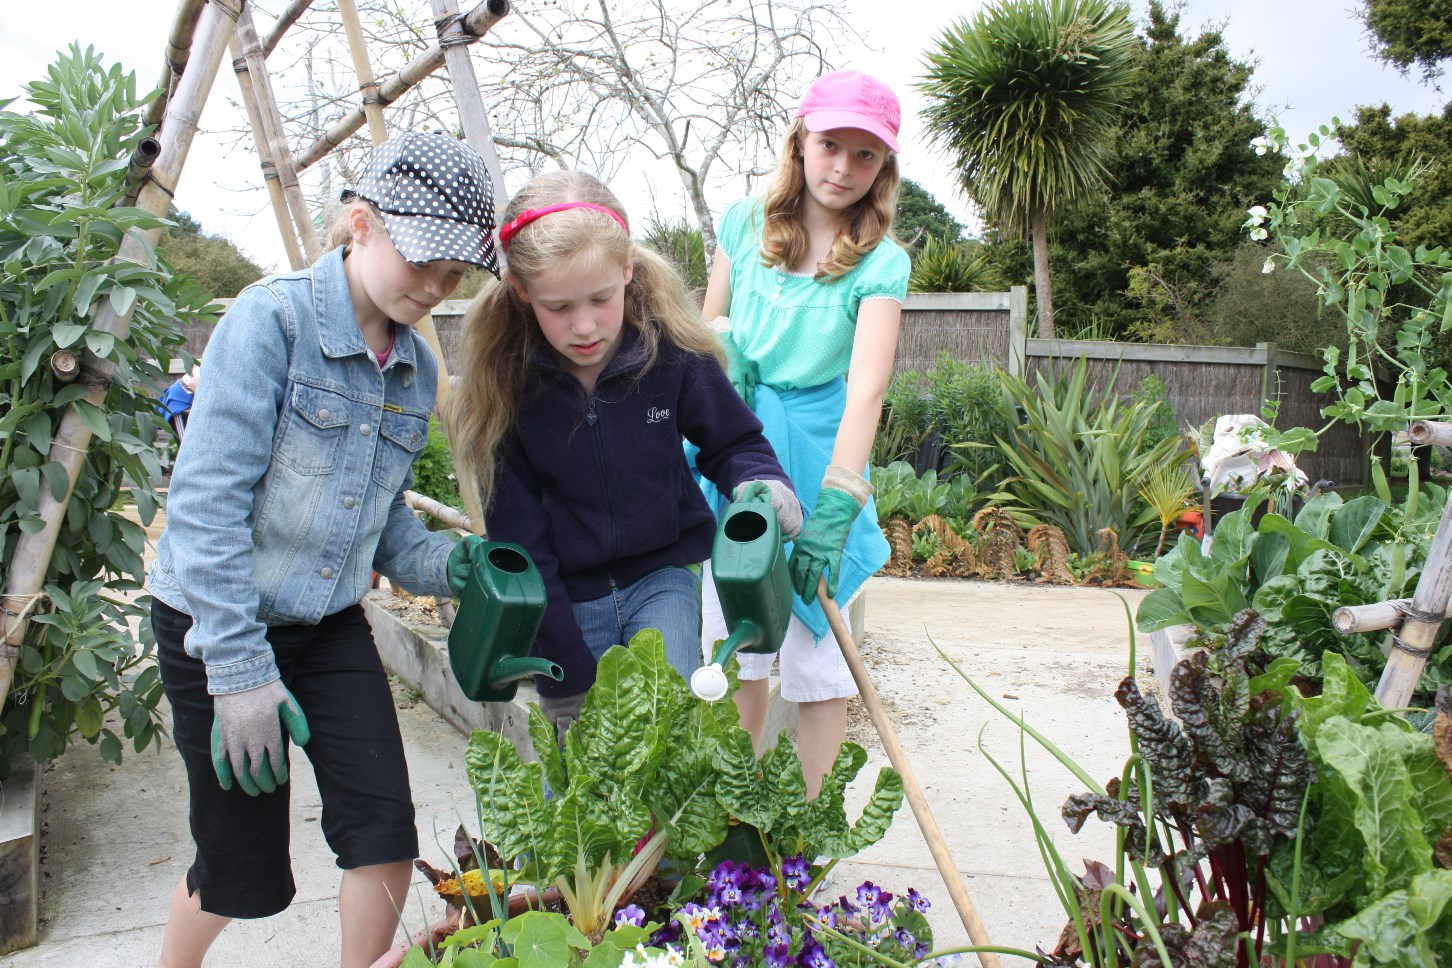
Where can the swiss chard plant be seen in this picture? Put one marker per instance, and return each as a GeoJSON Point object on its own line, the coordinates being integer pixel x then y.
{"type": "Point", "coordinates": [63, 214]}
{"type": "Point", "coordinates": [1296, 572]}
{"type": "Point", "coordinates": [649, 772]}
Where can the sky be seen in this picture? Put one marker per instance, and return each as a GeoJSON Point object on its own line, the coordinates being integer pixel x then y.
{"type": "Point", "coordinates": [1311, 56]}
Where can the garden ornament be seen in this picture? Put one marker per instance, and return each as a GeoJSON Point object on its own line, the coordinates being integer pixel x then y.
{"type": "Point", "coordinates": [750, 572]}
{"type": "Point", "coordinates": [499, 614]}
{"type": "Point", "coordinates": [817, 553]}
{"type": "Point", "coordinates": [247, 743]}
{"type": "Point", "coordinates": [1239, 457]}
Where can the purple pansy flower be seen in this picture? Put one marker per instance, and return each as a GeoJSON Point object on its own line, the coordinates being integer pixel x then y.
{"type": "Point", "coordinates": [630, 914]}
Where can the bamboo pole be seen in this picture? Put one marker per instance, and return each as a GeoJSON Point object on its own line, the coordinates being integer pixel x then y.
{"type": "Point", "coordinates": [251, 48]}
{"type": "Point", "coordinates": [450, 516]}
{"type": "Point", "coordinates": [1430, 432]}
{"type": "Point", "coordinates": [295, 257]}
{"type": "Point", "coordinates": [476, 24]}
{"type": "Point", "coordinates": [916, 799]}
{"type": "Point", "coordinates": [285, 20]}
{"type": "Point", "coordinates": [367, 86]}
{"type": "Point", "coordinates": [143, 156]}
{"type": "Point", "coordinates": [33, 552]}
{"type": "Point", "coordinates": [1376, 617]}
{"type": "Point", "coordinates": [178, 51]}
{"type": "Point", "coordinates": [1412, 647]}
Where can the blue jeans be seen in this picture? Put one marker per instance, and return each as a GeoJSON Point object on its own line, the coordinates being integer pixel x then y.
{"type": "Point", "coordinates": [668, 599]}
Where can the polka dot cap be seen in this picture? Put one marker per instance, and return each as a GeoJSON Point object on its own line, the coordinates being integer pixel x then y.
{"type": "Point", "coordinates": [436, 198]}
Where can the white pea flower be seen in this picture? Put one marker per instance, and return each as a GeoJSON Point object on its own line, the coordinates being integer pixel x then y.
{"type": "Point", "coordinates": [1258, 234]}
{"type": "Point", "coordinates": [1261, 144]}
{"type": "Point", "coordinates": [1257, 213]}
{"type": "Point", "coordinates": [1269, 267]}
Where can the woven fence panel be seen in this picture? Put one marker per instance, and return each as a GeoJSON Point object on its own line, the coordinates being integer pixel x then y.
{"type": "Point", "coordinates": [966, 335]}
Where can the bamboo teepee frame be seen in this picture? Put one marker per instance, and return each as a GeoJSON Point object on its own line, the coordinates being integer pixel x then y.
{"type": "Point", "coordinates": [201, 33]}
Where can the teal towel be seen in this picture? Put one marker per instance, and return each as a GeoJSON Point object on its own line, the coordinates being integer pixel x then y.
{"type": "Point", "coordinates": [802, 427]}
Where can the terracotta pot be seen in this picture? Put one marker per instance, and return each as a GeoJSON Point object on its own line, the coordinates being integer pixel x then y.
{"type": "Point", "coordinates": [439, 930]}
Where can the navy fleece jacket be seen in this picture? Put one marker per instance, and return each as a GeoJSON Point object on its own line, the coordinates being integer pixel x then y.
{"type": "Point", "coordinates": [596, 487]}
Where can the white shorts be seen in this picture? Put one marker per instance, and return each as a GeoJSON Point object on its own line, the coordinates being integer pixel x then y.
{"type": "Point", "coordinates": [811, 671]}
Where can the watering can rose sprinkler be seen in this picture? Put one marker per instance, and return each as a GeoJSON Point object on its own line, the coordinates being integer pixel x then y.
{"type": "Point", "coordinates": [499, 616]}
{"type": "Point", "coordinates": [750, 571]}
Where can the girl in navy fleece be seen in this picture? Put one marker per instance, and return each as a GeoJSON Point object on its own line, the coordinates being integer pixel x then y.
{"type": "Point", "coordinates": [587, 364]}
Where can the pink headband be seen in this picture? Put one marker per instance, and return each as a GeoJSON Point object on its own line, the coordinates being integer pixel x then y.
{"type": "Point", "coordinates": [530, 214]}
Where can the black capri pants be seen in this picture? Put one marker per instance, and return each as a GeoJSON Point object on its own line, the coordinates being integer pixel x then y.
{"type": "Point", "coordinates": [243, 867]}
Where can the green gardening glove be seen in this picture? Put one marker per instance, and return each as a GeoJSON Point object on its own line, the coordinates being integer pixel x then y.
{"type": "Point", "coordinates": [461, 562]}
{"type": "Point", "coordinates": [247, 743]}
{"type": "Point", "coordinates": [817, 552]}
{"type": "Point", "coordinates": [742, 371]}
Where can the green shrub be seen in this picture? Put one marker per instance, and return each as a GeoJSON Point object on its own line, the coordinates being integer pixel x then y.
{"type": "Point", "coordinates": [682, 244]}
{"type": "Point", "coordinates": [942, 266]}
{"type": "Point", "coordinates": [1163, 422]}
{"type": "Point", "coordinates": [969, 413]}
{"type": "Point", "coordinates": [433, 472]}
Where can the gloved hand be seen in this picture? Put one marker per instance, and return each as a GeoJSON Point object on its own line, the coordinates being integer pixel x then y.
{"type": "Point", "coordinates": [562, 711]}
{"type": "Point", "coordinates": [247, 739]}
{"type": "Point", "coordinates": [461, 562]}
{"type": "Point", "coordinates": [741, 370]}
{"type": "Point", "coordinates": [783, 501]}
{"type": "Point", "coordinates": [818, 549]}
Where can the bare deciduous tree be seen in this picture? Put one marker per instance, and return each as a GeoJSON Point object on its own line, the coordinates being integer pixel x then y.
{"type": "Point", "coordinates": [707, 85]}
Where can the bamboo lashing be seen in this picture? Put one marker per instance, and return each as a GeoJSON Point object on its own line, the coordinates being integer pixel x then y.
{"type": "Point", "coordinates": [473, 116]}
{"type": "Point", "coordinates": [1430, 432]}
{"type": "Point", "coordinates": [912, 790]}
{"type": "Point", "coordinates": [1412, 644]}
{"type": "Point", "coordinates": [251, 48]}
{"type": "Point", "coordinates": [143, 156]}
{"type": "Point", "coordinates": [179, 125]}
{"type": "Point", "coordinates": [476, 24]}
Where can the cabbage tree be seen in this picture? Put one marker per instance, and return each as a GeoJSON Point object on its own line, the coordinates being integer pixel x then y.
{"type": "Point", "coordinates": [1025, 96]}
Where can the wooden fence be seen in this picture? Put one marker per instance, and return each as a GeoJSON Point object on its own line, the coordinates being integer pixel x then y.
{"type": "Point", "coordinates": [1201, 382]}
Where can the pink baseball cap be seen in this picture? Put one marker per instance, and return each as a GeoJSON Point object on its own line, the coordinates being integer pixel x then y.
{"type": "Point", "coordinates": [852, 99]}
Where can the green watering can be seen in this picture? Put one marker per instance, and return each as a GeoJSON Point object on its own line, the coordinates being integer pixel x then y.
{"type": "Point", "coordinates": [749, 568]}
{"type": "Point", "coordinates": [498, 618]}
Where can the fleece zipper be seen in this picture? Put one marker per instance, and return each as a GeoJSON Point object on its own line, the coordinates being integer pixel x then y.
{"type": "Point", "coordinates": [593, 419]}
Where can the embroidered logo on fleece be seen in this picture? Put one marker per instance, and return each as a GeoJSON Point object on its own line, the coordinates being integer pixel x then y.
{"type": "Point", "coordinates": [656, 416]}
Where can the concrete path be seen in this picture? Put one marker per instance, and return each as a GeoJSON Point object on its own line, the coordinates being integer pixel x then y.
{"type": "Point", "coordinates": [115, 839]}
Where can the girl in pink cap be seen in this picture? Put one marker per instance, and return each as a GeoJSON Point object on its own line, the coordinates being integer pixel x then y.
{"type": "Point", "coordinates": [807, 283]}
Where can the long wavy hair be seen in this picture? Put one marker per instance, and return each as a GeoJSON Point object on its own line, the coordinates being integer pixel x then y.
{"type": "Point", "coordinates": [502, 336]}
{"type": "Point", "coordinates": [784, 238]}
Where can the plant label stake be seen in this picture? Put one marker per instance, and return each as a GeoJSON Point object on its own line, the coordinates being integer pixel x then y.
{"type": "Point", "coordinates": [499, 615]}
{"type": "Point", "coordinates": [937, 846]}
{"type": "Point", "coordinates": [750, 572]}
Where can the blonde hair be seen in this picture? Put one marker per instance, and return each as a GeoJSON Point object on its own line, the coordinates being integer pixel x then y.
{"type": "Point", "coordinates": [783, 236]}
{"type": "Point", "coordinates": [502, 336]}
{"type": "Point", "coordinates": [341, 231]}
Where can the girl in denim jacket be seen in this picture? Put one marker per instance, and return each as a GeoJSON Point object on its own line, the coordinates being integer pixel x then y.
{"type": "Point", "coordinates": [587, 365]}
{"type": "Point", "coordinates": [287, 495]}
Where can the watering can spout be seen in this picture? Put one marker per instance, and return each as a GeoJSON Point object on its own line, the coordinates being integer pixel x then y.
{"type": "Point", "coordinates": [511, 669]}
{"type": "Point", "coordinates": [750, 571]}
{"type": "Point", "coordinates": [499, 616]}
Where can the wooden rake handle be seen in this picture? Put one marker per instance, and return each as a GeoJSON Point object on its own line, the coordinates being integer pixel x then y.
{"type": "Point", "coordinates": [957, 890]}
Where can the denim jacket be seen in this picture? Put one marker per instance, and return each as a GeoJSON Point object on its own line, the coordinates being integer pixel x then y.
{"type": "Point", "coordinates": [288, 489]}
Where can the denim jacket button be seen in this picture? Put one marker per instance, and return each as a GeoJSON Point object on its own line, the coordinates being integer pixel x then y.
{"type": "Point", "coordinates": [348, 502]}
{"type": "Point", "coordinates": [326, 573]}
{"type": "Point", "coordinates": [325, 414]}
{"type": "Point", "coordinates": [365, 430]}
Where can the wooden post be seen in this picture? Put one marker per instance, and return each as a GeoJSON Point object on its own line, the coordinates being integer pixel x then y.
{"type": "Point", "coordinates": [295, 257]}
{"type": "Point", "coordinates": [20, 857]}
{"type": "Point", "coordinates": [33, 551]}
{"type": "Point", "coordinates": [1269, 373]}
{"type": "Point", "coordinates": [247, 45]}
{"type": "Point", "coordinates": [1412, 647]}
{"type": "Point", "coordinates": [1350, 619]}
{"type": "Point", "coordinates": [1018, 332]}
{"type": "Point", "coordinates": [476, 24]}
{"type": "Point", "coordinates": [367, 86]}
{"type": "Point", "coordinates": [473, 115]}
